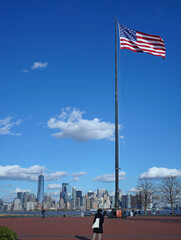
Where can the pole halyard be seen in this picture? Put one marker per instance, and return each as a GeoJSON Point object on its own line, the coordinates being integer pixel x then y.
{"type": "Point", "coordinates": [116, 126]}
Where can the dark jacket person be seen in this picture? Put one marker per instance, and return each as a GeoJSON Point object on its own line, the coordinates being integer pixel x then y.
{"type": "Point", "coordinates": [98, 230]}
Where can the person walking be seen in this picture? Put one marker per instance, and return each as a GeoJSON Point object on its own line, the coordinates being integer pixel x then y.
{"type": "Point", "coordinates": [98, 224]}
{"type": "Point", "coordinates": [43, 212]}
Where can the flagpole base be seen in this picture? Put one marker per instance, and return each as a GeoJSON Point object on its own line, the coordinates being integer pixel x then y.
{"type": "Point", "coordinates": [118, 213]}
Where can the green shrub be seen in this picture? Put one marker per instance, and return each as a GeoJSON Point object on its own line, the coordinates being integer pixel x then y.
{"type": "Point", "coordinates": [7, 234]}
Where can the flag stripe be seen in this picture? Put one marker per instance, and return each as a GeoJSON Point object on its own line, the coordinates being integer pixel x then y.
{"type": "Point", "coordinates": [142, 48]}
{"type": "Point", "coordinates": [140, 34]}
{"type": "Point", "coordinates": [149, 42]}
{"type": "Point", "coordinates": [154, 48]}
{"type": "Point", "coordinates": [141, 42]}
{"type": "Point", "coordinates": [139, 50]}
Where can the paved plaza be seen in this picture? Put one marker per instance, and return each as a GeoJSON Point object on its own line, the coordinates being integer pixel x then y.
{"type": "Point", "coordinates": [70, 228]}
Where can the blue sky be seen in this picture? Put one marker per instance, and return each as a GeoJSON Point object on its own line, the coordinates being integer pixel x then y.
{"type": "Point", "coordinates": [57, 94]}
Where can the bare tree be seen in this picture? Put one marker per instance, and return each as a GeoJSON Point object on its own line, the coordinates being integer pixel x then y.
{"type": "Point", "coordinates": [169, 189]}
{"type": "Point", "coordinates": [148, 192]}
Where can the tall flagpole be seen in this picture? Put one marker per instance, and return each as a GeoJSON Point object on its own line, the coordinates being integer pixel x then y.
{"type": "Point", "coordinates": [116, 125]}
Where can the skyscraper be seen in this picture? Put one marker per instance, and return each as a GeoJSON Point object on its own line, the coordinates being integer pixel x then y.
{"type": "Point", "coordinates": [25, 199]}
{"type": "Point", "coordinates": [74, 193]}
{"type": "Point", "coordinates": [100, 192]}
{"type": "Point", "coordinates": [20, 196]}
{"type": "Point", "coordinates": [64, 193]}
{"type": "Point", "coordinates": [126, 201]}
{"type": "Point", "coordinates": [79, 194]}
{"type": "Point", "coordinates": [40, 194]}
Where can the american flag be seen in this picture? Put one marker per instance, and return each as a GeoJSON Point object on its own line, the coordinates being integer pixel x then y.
{"type": "Point", "coordinates": [141, 42]}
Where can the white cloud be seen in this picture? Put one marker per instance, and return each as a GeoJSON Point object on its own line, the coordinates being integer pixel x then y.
{"type": "Point", "coordinates": [54, 186]}
{"type": "Point", "coordinates": [109, 177]}
{"type": "Point", "coordinates": [70, 124]}
{"type": "Point", "coordinates": [75, 179]}
{"type": "Point", "coordinates": [160, 172]}
{"type": "Point", "coordinates": [21, 190]}
{"type": "Point", "coordinates": [6, 124]}
{"type": "Point", "coordinates": [134, 189]}
{"type": "Point", "coordinates": [55, 176]}
{"type": "Point", "coordinates": [39, 65]}
{"type": "Point", "coordinates": [15, 172]}
{"type": "Point", "coordinates": [78, 174]}
{"type": "Point", "coordinates": [25, 70]}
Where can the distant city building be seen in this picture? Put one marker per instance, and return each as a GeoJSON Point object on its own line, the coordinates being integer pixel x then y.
{"type": "Point", "coordinates": [32, 198]}
{"type": "Point", "coordinates": [94, 205]}
{"type": "Point", "coordinates": [120, 195]}
{"type": "Point", "coordinates": [69, 187]}
{"type": "Point", "coordinates": [74, 193]}
{"type": "Point", "coordinates": [105, 196]}
{"type": "Point", "coordinates": [40, 194]}
{"type": "Point", "coordinates": [16, 205]}
{"type": "Point", "coordinates": [64, 192]}
{"type": "Point", "coordinates": [82, 202]}
{"type": "Point", "coordinates": [100, 192]}
{"type": "Point", "coordinates": [77, 202]}
{"type": "Point", "coordinates": [132, 201]}
{"type": "Point", "coordinates": [79, 194]}
{"type": "Point", "coordinates": [47, 202]}
{"type": "Point", "coordinates": [112, 201]}
{"type": "Point", "coordinates": [61, 203]}
{"type": "Point", "coordinates": [39, 206]}
{"type": "Point", "coordinates": [31, 206]}
{"type": "Point", "coordinates": [125, 200]}
{"type": "Point", "coordinates": [129, 200]}
{"type": "Point", "coordinates": [1, 204]}
{"type": "Point", "coordinates": [107, 203]}
{"type": "Point", "coordinates": [72, 203]}
{"type": "Point", "coordinates": [88, 203]}
{"type": "Point", "coordinates": [100, 203]}
{"type": "Point", "coordinates": [90, 194]}
{"type": "Point", "coordinates": [136, 201]}
{"type": "Point", "coordinates": [92, 201]}
{"type": "Point", "coordinates": [7, 206]}
{"type": "Point", "coordinates": [25, 199]}
{"type": "Point", "coordinates": [106, 192]}
{"type": "Point", "coordinates": [20, 197]}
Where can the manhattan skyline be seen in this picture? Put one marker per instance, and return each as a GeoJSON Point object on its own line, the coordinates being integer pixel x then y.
{"type": "Point", "coordinates": [57, 95]}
